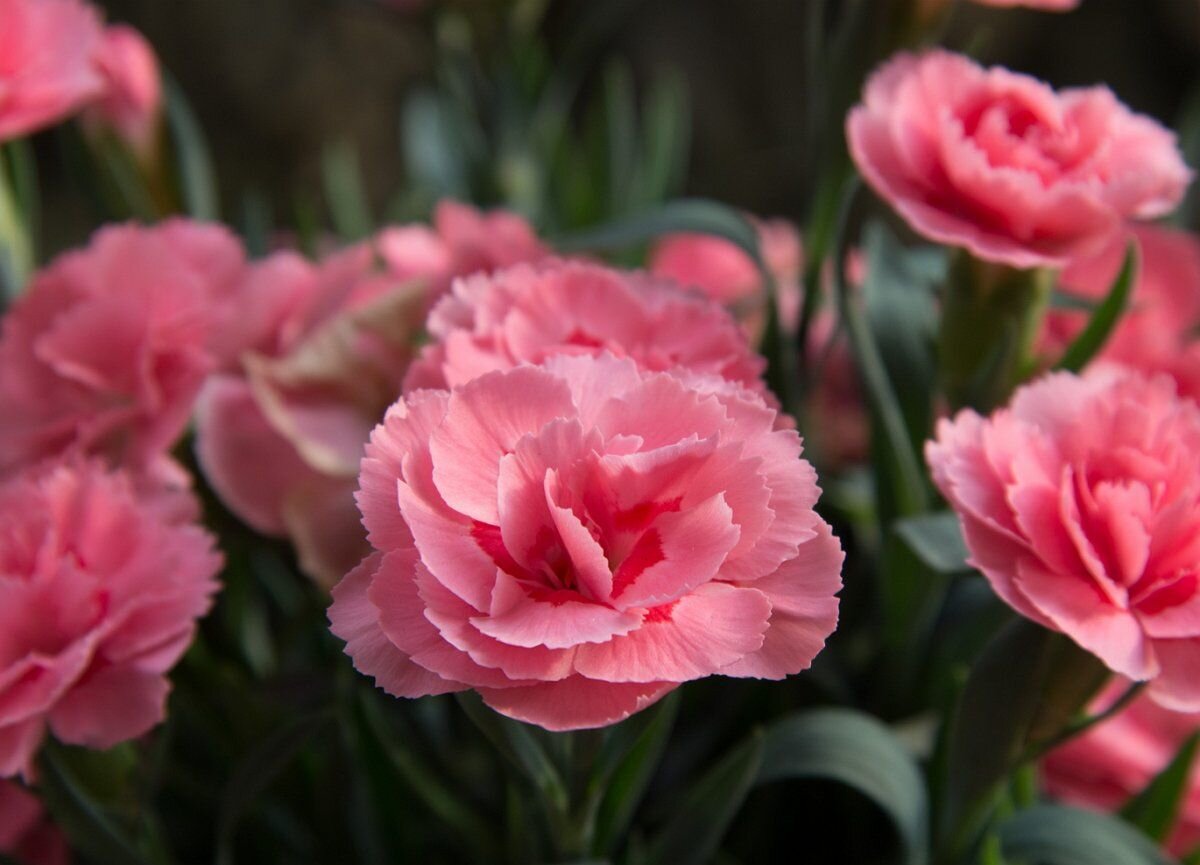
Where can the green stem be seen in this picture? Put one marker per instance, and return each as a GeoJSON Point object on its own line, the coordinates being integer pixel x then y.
{"type": "Point", "coordinates": [16, 242]}
{"type": "Point", "coordinates": [1038, 749]}
{"type": "Point", "coordinates": [991, 316]}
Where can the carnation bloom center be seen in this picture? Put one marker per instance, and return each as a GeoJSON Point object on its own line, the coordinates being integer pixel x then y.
{"type": "Point", "coordinates": [587, 547]}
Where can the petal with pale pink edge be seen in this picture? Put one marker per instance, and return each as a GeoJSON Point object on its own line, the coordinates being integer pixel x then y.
{"type": "Point", "coordinates": [690, 638]}
{"type": "Point", "coordinates": [575, 703]}
{"type": "Point", "coordinates": [484, 420]}
{"type": "Point", "coordinates": [804, 610]}
{"type": "Point", "coordinates": [355, 619]}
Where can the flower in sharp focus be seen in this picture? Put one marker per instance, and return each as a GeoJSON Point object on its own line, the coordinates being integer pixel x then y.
{"type": "Point", "coordinates": [1080, 503]}
{"type": "Point", "coordinates": [105, 352]}
{"type": "Point", "coordinates": [1113, 761]}
{"type": "Point", "coordinates": [1003, 165]}
{"type": "Point", "coordinates": [46, 68]}
{"type": "Point", "coordinates": [100, 590]}
{"type": "Point", "coordinates": [530, 312]}
{"type": "Point", "coordinates": [576, 539]}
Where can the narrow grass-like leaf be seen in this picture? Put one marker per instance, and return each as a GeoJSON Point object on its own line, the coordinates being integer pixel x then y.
{"type": "Point", "coordinates": [83, 819]}
{"type": "Point", "coordinates": [710, 805]}
{"type": "Point", "coordinates": [257, 772]}
{"type": "Point", "coordinates": [685, 214]}
{"type": "Point", "coordinates": [193, 160]}
{"type": "Point", "coordinates": [344, 192]}
{"type": "Point", "coordinates": [1155, 809]}
{"type": "Point", "coordinates": [1104, 318]}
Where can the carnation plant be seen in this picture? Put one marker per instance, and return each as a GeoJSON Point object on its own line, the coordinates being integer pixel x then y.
{"type": "Point", "coordinates": [540, 511]}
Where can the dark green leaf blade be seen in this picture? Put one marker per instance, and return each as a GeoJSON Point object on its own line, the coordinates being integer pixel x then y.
{"type": "Point", "coordinates": [684, 214]}
{"type": "Point", "coordinates": [193, 160]}
{"type": "Point", "coordinates": [694, 833]}
{"type": "Point", "coordinates": [858, 751]}
{"type": "Point", "coordinates": [936, 540]}
{"type": "Point", "coordinates": [84, 820]}
{"type": "Point", "coordinates": [1091, 339]}
{"type": "Point", "coordinates": [1155, 808]}
{"type": "Point", "coordinates": [1057, 835]}
{"type": "Point", "coordinates": [256, 773]}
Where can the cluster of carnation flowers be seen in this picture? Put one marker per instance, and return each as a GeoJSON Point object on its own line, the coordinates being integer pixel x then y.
{"type": "Point", "coordinates": [1078, 500]}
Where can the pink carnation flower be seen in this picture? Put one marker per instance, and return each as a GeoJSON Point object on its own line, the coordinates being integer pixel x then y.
{"type": "Point", "coordinates": [1115, 760]}
{"type": "Point", "coordinates": [527, 313]}
{"type": "Point", "coordinates": [46, 69]}
{"type": "Point", "coordinates": [132, 98]}
{"type": "Point", "coordinates": [315, 356]}
{"type": "Point", "coordinates": [107, 349]}
{"type": "Point", "coordinates": [1158, 331]}
{"type": "Point", "coordinates": [26, 834]}
{"type": "Point", "coordinates": [100, 590]}
{"type": "Point", "coordinates": [1001, 164]}
{"type": "Point", "coordinates": [1080, 503]}
{"type": "Point", "coordinates": [724, 272]}
{"type": "Point", "coordinates": [576, 539]}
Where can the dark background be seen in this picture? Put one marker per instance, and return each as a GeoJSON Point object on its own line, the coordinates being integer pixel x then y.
{"type": "Point", "coordinates": [274, 80]}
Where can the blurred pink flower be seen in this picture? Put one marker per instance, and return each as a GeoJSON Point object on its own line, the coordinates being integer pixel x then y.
{"type": "Point", "coordinates": [576, 539]}
{"type": "Point", "coordinates": [132, 99]}
{"type": "Point", "coordinates": [1001, 164]}
{"type": "Point", "coordinates": [101, 592]}
{"type": "Point", "coordinates": [722, 270]}
{"type": "Point", "coordinates": [315, 355]}
{"type": "Point", "coordinates": [1115, 760]}
{"type": "Point", "coordinates": [26, 834]}
{"type": "Point", "coordinates": [1080, 503]}
{"type": "Point", "coordinates": [529, 312]}
{"type": "Point", "coordinates": [108, 347]}
{"type": "Point", "coordinates": [46, 68]}
{"type": "Point", "coordinates": [1158, 331]}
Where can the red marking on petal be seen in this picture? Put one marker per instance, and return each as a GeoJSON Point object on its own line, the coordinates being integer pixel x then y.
{"type": "Point", "coordinates": [489, 540]}
{"type": "Point", "coordinates": [646, 553]}
{"type": "Point", "coordinates": [661, 613]}
{"type": "Point", "coordinates": [1172, 595]}
{"type": "Point", "coordinates": [641, 516]}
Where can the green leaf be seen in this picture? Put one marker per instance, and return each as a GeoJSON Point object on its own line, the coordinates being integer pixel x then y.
{"type": "Point", "coordinates": [1105, 317]}
{"type": "Point", "coordinates": [624, 769]}
{"type": "Point", "coordinates": [1155, 808]}
{"type": "Point", "coordinates": [899, 297]}
{"type": "Point", "coordinates": [1057, 835]}
{"type": "Point", "coordinates": [1026, 686]}
{"type": "Point", "coordinates": [666, 138]}
{"type": "Point", "coordinates": [445, 803]}
{"type": "Point", "coordinates": [858, 751]}
{"type": "Point", "coordinates": [936, 540]}
{"type": "Point", "coordinates": [197, 179]}
{"type": "Point", "coordinates": [256, 773]}
{"type": "Point", "coordinates": [434, 145]}
{"type": "Point", "coordinates": [16, 241]}
{"type": "Point", "coordinates": [85, 821]}
{"type": "Point", "coordinates": [709, 806]}
{"type": "Point", "coordinates": [838, 745]}
{"type": "Point", "coordinates": [516, 743]}
{"type": "Point", "coordinates": [684, 214]}
{"type": "Point", "coordinates": [908, 486]}
{"type": "Point", "coordinates": [344, 192]}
